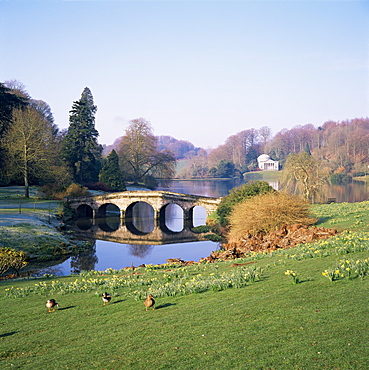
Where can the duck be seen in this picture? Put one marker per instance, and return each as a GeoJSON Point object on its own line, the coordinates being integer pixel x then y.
{"type": "Point", "coordinates": [149, 302]}
{"type": "Point", "coordinates": [106, 297]}
{"type": "Point", "coordinates": [51, 304]}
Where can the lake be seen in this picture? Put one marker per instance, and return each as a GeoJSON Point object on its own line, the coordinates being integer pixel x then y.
{"type": "Point", "coordinates": [357, 191]}
{"type": "Point", "coordinates": [122, 253]}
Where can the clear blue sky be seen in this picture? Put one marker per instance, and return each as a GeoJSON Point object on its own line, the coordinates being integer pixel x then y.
{"type": "Point", "coordinates": [197, 70]}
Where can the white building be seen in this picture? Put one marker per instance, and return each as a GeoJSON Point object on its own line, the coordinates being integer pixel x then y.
{"type": "Point", "coordinates": [267, 164]}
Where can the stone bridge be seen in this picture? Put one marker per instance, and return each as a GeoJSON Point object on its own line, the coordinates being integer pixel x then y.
{"type": "Point", "coordinates": [97, 206]}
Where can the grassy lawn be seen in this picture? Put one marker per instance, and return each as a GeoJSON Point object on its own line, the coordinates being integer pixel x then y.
{"type": "Point", "coordinates": [12, 201]}
{"type": "Point", "coordinates": [207, 316]}
{"type": "Point", "coordinates": [262, 175]}
{"type": "Point", "coordinates": [29, 224]}
{"type": "Point", "coordinates": [343, 216]}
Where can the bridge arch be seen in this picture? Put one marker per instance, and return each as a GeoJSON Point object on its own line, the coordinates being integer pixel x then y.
{"type": "Point", "coordinates": [108, 209]}
{"type": "Point", "coordinates": [84, 210]}
{"type": "Point", "coordinates": [172, 212]}
{"type": "Point", "coordinates": [140, 218]}
{"type": "Point", "coordinates": [198, 212]}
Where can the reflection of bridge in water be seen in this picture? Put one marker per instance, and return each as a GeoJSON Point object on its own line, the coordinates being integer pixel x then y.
{"type": "Point", "coordinates": [100, 229]}
{"type": "Point", "coordinates": [130, 226]}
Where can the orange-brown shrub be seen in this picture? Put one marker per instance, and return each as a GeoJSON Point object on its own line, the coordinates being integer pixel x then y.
{"type": "Point", "coordinates": [76, 190]}
{"type": "Point", "coordinates": [267, 212]}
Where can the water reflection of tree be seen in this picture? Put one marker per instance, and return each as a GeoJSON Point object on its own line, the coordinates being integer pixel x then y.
{"type": "Point", "coordinates": [139, 250]}
{"type": "Point", "coordinates": [86, 259]}
{"type": "Point", "coordinates": [52, 271]}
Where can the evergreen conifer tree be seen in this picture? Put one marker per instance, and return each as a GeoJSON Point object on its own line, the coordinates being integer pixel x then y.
{"type": "Point", "coordinates": [80, 148]}
{"type": "Point", "coordinates": [307, 149]}
{"type": "Point", "coordinates": [8, 102]}
{"type": "Point", "coordinates": [111, 174]}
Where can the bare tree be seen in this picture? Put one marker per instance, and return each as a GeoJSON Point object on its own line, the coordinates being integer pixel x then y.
{"type": "Point", "coordinates": [29, 144]}
{"type": "Point", "coordinates": [265, 134]}
{"type": "Point", "coordinates": [139, 157]}
{"type": "Point", "coordinates": [305, 175]}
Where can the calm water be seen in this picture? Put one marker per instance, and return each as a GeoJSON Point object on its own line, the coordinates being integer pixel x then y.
{"type": "Point", "coordinates": [115, 247]}
{"type": "Point", "coordinates": [357, 191]}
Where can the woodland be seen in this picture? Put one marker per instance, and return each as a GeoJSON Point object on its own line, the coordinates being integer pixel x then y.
{"type": "Point", "coordinates": [34, 151]}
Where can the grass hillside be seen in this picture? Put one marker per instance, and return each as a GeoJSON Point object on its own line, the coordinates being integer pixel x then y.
{"type": "Point", "coordinates": [343, 216]}
{"type": "Point", "coordinates": [302, 308]}
{"type": "Point", "coordinates": [262, 176]}
{"type": "Point", "coordinates": [30, 225]}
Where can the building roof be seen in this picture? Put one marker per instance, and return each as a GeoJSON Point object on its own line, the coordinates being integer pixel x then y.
{"type": "Point", "coordinates": [263, 158]}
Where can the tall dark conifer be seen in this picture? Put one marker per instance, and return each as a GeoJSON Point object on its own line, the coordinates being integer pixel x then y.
{"type": "Point", "coordinates": [80, 148]}
{"type": "Point", "coordinates": [111, 174]}
{"type": "Point", "coordinates": [8, 102]}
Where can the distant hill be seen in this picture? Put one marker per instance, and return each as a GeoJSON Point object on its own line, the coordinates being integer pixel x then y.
{"type": "Point", "coordinates": [109, 148]}
{"type": "Point", "coordinates": [180, 148]}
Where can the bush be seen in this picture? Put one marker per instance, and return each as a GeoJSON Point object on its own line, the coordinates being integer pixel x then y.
{"type": "Point", "coordinates": [47, 191]}
{"type": "Point", "coordinates": [54, 191]}
{"type": "Point", "coordinates": [214, 238]}
{"type": "Point", "coordinates": [51, 191]}
{"type": "Point", "coordinates": [267, 212]}
{"type": "Point", "coordinates": [201, 229]}
{"type": "Point", "coordinates": [12, 259]}
{"type": "Point", "coordinates": [99, 186]}
{"type": "Point", "coordinates": [67, 213]}
{"type": "Point", "coordinates": [76, 190]}
{"type": "Point", "coordinates": [359, 174]}
{"type": "Point", "coordinates": [239, 194]}
{"type": "Point", "coordinates": [340, 178]}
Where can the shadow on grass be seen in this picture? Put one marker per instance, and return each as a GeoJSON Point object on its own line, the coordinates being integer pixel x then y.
{"type": "Point", "coordinates": [306, 280]}
{"type": "Point", "coordinates": [8, 334]}
{"type": "Point", "coordinates": [323, 220]}
{"type": "Point", "coordinates": [260, 280]}
{"type": "Point", "coordinates": [65, 308]}
{"type": "Point", "coordinates": [118, 301]}
{"type": "Point", "coordinates": [165, 305]}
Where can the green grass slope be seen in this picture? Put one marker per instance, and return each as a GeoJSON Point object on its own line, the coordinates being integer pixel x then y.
{"type": "Point", "coordinates": [343, 216]}
{"type": "Point", "coordinates": [30, 225]}
{"type": "Point", "coordinates": [207, 316]}
{"type": "Point", "coordinates": [210, 316]}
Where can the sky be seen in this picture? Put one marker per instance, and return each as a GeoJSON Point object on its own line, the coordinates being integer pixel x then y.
{"type": "Point", "coordinates": [200, 70]}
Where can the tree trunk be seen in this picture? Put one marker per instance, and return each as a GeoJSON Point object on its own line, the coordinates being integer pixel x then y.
{"type": "Point", "coordinates": [26, 185]}
{"type": "Point", "coordinates": [25, 173]}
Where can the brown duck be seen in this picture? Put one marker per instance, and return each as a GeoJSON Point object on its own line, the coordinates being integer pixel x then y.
{"type": "Point", "coordinates": [51, 304]}
{"type": "Point", "coordinates": [149, 302]}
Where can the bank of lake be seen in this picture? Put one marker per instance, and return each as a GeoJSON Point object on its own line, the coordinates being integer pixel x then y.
{"type": "Point", "coordinates": [30, 225]}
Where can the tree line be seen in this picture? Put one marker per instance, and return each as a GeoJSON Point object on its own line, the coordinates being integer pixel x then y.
{"type": "Point", "coordinates": [33, 151]}
{"type": "Point", "coordinates": [232, 159]}
{"type": "Point", "coordinates": [342, 146]}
